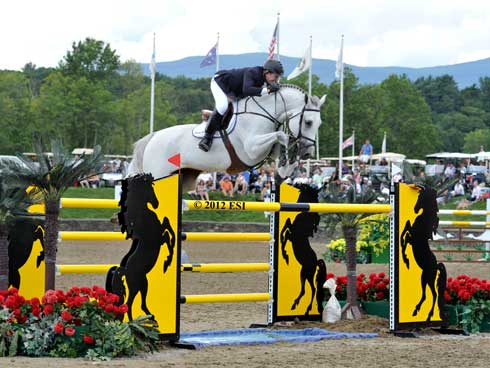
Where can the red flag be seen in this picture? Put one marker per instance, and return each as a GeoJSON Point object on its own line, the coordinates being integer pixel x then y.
{"type": "Point", "coordinates": [175, 159]}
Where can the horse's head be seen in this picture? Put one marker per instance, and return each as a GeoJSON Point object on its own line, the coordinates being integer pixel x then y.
{"type": "Point", "coordinates": [427, 201]}
{"type": "Point", "coordinates": [304, 125]}
{"type": "Point", "coordinates": [150, 196]}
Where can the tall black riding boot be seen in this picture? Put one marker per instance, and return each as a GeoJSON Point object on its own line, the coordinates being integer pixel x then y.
{"type": "Point", "coordinates": [213, 125]}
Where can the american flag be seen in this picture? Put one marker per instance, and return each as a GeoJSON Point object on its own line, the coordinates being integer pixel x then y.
{"type": "Point", "coordinates": [210, 57]}
{"type": "Point", "coordinates": [348, 142]}
{"type": "Point", "coordinates": [272, 45]}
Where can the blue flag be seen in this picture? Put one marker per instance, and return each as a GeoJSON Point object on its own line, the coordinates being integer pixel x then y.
{"type": "Point", "coordinates": [210, 57]}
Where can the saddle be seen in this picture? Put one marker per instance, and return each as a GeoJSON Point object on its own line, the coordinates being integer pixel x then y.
{"type": "Point", "coordinates": [228, 122]}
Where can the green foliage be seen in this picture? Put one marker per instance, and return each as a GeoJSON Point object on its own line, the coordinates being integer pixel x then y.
{"type": "Point", "coordinates": [473, 140]}
{"type": "Point", "coordinates": [51, 177]}
{"type": "Point", "coordinates": [474, 312]}
{"type": "Point", "coordinates": [91, 59]}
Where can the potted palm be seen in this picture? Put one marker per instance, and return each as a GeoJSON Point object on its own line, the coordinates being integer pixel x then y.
{"type": "Point", "coordinates": [51, 177]}
{"type": "Point", "coordinates": [348, 223]}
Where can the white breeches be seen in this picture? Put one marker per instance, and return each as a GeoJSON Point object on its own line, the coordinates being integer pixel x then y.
{"type": "Point", "coordinates": [220, 99]}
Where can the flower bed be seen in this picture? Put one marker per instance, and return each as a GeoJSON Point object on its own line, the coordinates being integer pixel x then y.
{"type": "Point", "coordinates": [467, 298]}
{"type": "Point", "coordinates": [81, 322]}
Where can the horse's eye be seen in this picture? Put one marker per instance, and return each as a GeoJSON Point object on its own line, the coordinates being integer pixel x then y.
{"type": "Point", "coordinates": [309, 123]}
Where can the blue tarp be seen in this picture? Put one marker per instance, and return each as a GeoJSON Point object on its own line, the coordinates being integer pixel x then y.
{"type": "Point", "coordinates": [250, 336]}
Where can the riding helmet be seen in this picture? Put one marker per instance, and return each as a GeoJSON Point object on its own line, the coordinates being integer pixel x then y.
{"type": "Point", "coordinates": [274, 66]}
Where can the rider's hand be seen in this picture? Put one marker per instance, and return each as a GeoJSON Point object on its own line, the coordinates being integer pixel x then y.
{"type": "Point", "coordinates": [274, 87]}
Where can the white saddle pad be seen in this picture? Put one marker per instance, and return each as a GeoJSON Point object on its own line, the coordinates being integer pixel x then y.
{"type": "Point", "coordinates": [200, 129]}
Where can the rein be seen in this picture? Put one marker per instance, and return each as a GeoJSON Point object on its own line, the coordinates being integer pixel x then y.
{"type": "Point", "coordinates": [296, 141]}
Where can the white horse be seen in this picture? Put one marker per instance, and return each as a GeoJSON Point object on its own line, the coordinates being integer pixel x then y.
{"type": "Point", "coordinates": [263, 125]}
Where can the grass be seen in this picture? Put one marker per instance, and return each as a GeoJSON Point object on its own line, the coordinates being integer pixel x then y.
{"type": "Point", "coordinates": [451, 205]}
{"type": "Point", "coordinates": [108, 193]}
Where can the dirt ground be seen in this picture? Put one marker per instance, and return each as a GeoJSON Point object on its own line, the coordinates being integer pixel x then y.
{"type": "Point", "coordinates": [385, 351]}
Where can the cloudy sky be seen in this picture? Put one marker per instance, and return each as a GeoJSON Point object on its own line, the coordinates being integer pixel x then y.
{"type": "Point", "coordinates": [411, 33]}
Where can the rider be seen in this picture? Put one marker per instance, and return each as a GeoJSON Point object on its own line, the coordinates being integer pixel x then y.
{"type": "Point", "coordinates": [236, 84]}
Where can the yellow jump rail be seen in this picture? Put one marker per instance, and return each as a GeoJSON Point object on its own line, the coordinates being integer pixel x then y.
{"type": "Point", "coordinates": [114, 236]}
{"type": "Point", "coordinates": [65, 269]}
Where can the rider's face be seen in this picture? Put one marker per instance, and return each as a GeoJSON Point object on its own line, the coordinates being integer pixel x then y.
{"type": "Point", "coordinates": [271, 77]}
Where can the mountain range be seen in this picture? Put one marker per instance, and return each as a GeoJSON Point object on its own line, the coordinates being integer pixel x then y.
{"type": "Point", "coordinates": [465, 74]}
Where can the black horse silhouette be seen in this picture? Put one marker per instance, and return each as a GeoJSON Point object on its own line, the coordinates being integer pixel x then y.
{"type": "Point", "coordinates": [297, 232]}
{"type": "Point", "coordinates": [22, 236]}
{"type": "Point", "coordinates": [418, 235]}
{"type": "Point", "coordinates": [148, 234]}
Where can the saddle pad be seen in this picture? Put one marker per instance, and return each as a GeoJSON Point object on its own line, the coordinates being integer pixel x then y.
{"type": "Point", "coordinates": [199, 129]}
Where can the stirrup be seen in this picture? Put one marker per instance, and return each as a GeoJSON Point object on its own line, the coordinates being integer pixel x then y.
{"type": "Point", "coordinates": [205, 144]}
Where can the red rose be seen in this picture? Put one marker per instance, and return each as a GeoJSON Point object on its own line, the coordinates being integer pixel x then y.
{"type": "Point", "coordinates": [109, 308]}
{"type": "Point", "coordinates": [88, 340]}
{"type": "Point", "coordinates": [85, 290]}
{"type": "Point", "coordinates": [58, 328]}
{"type": "Point", "coordinates": [48, 309]}
{"type": "Point", "coordinates": [123, 308]}
{"type": "Point", "coordinates": [380, 295]}
{"type": "Point", "coordinates": [36, 311]}
{"type": "Point", "coordinates": [69, 331]}
{"type": "Point", "coordinates": [66, 316]}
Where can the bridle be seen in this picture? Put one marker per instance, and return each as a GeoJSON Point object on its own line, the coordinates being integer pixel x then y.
{"type": "Point", "coordinates": [297, 142]}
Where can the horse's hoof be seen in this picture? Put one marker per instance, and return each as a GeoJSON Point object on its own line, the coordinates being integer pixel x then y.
{"type": "Point", "coordinates": [415, 313]}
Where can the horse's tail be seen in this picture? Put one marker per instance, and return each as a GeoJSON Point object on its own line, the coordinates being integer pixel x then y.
{"type": "Point", "coordinates": [115, 284]}
{"type": "Point", "coordinates": [321, 277]}
{"type": "Point", "coordinates": [136, 165]}
{"type": "Point", "coordinates": [441, 289]}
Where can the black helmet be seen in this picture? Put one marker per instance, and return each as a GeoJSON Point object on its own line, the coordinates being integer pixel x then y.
{"type": "Point", "coordinates": [274, 66]}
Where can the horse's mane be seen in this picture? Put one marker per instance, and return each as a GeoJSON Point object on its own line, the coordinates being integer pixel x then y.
{"type": "Point", "coordinates": [313, 99]}
{"type": "Point", "coordinates": [293, 86]}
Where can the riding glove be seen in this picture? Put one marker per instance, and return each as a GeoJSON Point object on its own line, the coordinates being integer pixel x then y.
{"type": "Point", "coordinates": [274, 87]}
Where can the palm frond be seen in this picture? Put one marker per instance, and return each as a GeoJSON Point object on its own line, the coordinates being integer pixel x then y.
{"type": "Point", "coordinates": [52, 176]}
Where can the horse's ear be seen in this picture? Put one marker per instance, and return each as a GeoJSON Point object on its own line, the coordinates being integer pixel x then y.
{"type": "Point", "coordinates": [323, 99]}
{"type": "Point", "coordinates": [306, 99]}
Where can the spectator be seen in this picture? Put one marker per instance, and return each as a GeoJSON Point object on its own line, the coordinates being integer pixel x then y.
{"type": "Point", "coordinates": [476, 192]}
{"type": "Point", "coordinates": [226, 186]}
{"type": "Point", "coordinates": [202, 190]}
{"type": "Point", "coordinates": [207, 178]}
{"type": "Point", "coordinates": [241, 185]}
{"type": "Point", "coordinates": [317, 178]}
{"type": "Point", "coordinates": [450, 170]}
{"type": "Point", "coordinates": [383, 162]}
{"type": "Point", "coordinates": [366, 152]}
{"type": "Point", "coordinates": [458, 190]}
{"type": "Point", "coordinates": [265, 193]}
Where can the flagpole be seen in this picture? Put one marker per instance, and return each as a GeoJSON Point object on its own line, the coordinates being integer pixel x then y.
{"type": "Point", "coordinates": [310, 73]}
{"type": "Point", "coordinates": [341, 107]}
{"type": "Point", "coordinates": [353, 150]}
{"type": "Point", "coordinates": [217, 54]}
{"type": "Point", "coordinates": [278, 32]}
{"type": "Point", "coordinates": [152, 97]}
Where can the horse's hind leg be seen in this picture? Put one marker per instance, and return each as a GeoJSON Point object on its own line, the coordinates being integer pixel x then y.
{"type": "Point", "coordinates": [434, 297]}
{"type": "Point", "coordinates": [301, 293]}
{"type": "Point", "coordinates": [144, 292]}
{"type": "Point", "coordinates": [422, 299]}
{"type": "Point", "coordinates": [129, 303]}
{"type": "Point", "coordinates": [313, 293]}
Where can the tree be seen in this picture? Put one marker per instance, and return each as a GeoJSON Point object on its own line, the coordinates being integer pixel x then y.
{"type": "Point", "coordinates": [51, 177]}
{"type": "Point", "coordinates": [406, 114]}
{"type": "Point", "coordinates": [15, 112]}
{"type": "Point", "coordinates": [92, 59]}
{"type": "Point", "coordinates": [485, 93]}
{"type": "Point", "coordinates": [475, 139]}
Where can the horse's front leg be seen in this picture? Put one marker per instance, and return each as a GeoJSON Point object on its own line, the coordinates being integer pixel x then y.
{"type": "Point", "coordinates": [406, 238]}
{"type": "Point", "coordinates": [257, 147]}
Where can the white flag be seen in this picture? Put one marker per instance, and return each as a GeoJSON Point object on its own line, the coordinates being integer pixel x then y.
{"type": "Point", "coordinates": [153, 66]}
{"type": "Point", "coordinates": [339, 70]}
{"type": "Point", "coordinates": [303, 65]}
{"type": "Point", "coordinates": [383, 145]}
